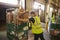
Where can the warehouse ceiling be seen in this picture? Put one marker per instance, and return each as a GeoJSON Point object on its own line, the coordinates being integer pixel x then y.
{"type": "Point", "coordinates": [6, 5]}
{"type": "Point", "coordinates": [40, 1]}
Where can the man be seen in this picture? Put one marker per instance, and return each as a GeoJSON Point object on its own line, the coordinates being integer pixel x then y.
{"type": "Point", "coordinates": [53, 18]}
{"type": "Point", "coordinates": [36, 26]}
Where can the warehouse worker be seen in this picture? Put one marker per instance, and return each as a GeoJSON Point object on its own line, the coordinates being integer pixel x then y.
{"type": "Point", "coordinates": [53, 17]}
{"type": "Point", "coordinates": [36, 26]}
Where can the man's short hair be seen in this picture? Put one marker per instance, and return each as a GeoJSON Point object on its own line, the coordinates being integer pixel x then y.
{"type": "Point", "coordinates": [32, 12]}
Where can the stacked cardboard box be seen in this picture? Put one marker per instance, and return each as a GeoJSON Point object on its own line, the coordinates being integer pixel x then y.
{"type": "Point", "coordinates": [22, 15]}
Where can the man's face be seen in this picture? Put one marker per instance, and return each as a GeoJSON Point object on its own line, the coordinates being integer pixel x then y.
{"type": "Point", "coordinates": [32, 15]}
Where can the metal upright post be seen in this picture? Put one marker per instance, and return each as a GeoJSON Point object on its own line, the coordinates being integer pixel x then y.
{"type": "Point", "coordinates": [15, 24]}
{"type": "Point", "coordinates": [45, 11]}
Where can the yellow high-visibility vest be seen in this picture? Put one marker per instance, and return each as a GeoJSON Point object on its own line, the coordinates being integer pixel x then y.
{"type": "Point", "coordinates": [53, 19]}
{"type": "Point", "coordinates": [36, 26]}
